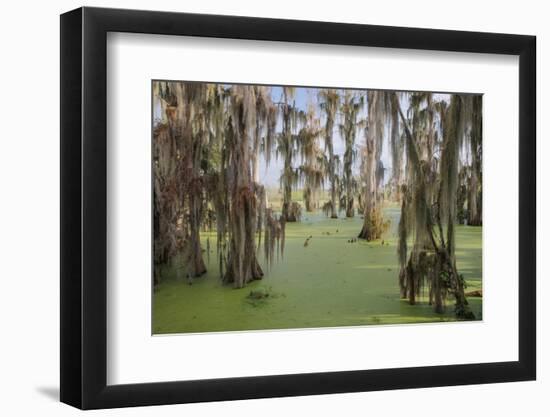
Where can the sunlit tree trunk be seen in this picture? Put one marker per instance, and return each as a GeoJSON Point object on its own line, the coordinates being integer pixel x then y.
{"type": "Point", "coordinates": [373, 223]}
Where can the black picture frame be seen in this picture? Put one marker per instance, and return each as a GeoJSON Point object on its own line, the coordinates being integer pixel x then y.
{"type": "Point", "coordinates": [84, 207]}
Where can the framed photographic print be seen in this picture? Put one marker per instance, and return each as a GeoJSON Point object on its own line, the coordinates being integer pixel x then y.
{"type": "Point", "coordinates": [255, 208]}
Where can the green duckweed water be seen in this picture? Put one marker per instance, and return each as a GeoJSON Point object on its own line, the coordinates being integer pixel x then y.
{"type": "Point", "coordinates": [329, 283]}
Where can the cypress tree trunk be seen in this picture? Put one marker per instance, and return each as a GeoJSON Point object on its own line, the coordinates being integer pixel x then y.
{"type": "Point", "coordinates": [194, 142]}
{"type": "Point", "coordinates": [350, 212]}
{"type": "Point", "coordinates": [474, 206]}
{"type": "Point", "coordinates": [330, 105]}
{"type": "Point", "coordinates": [348, 176]}
{"type": "Point", "coordinates": [307, 199]}
{"type": "Point", "coordinates": [474, 214]}
{"type": "Point", "coordinates": [373, 222]}
{"type": "Point", "coordinates": [369, 230]}
{"type": "Point", "coordinates": [287, 191]}
{"type": "Point", "coordinates": [256, 166]}
{"type": "Point", "coordinates": [242, 264]}
{"type": "Point", "coordinates": [333, 214]}
{"type": "Point", "coordinates": [195, 262]}
{"type": "Point", "coordinates": [289, 121]}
